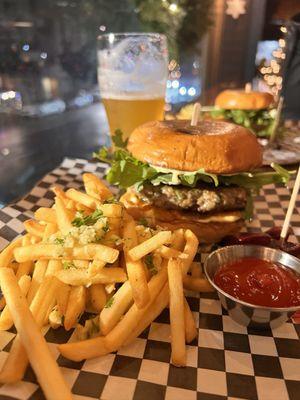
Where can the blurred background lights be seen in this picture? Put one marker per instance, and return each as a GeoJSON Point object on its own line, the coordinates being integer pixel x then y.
{"type": "Point", "coordinates": [102, 28]}
{"type": "Point", "coordinates": [191, 91]}
{"type": "Point", "coordinates": [182, 90]}
{"type": "Point", "coordinates": [8, 95]}
{"type": "Point", "coordinates": [25, 47]}
{"type": "Point", "coordinates": [175, 84]}
{"type": "Point", "coordinates": [173, 7]}
{"type": "Point", "coordinates": [43, 55]}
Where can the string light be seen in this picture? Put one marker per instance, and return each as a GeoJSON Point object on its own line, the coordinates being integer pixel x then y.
{"type": "Point", "coordinates": [173, 8]}
{"type": "Point", "coordinates": [271, 72]}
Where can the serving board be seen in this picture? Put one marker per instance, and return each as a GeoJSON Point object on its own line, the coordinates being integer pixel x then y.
{"type": "Point", "coordinates": [227, 361]}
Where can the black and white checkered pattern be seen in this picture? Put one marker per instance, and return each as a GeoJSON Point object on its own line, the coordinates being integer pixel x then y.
{"type": "Point", "coordinates": [227, 361]}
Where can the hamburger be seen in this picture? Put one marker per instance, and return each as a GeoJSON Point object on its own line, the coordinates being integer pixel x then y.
{"type": "Point", "coordinates": [198, 177]}
{"type": "Point", "coordinates": [248, 108]}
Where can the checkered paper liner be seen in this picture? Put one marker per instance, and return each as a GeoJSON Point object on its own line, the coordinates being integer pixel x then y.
{"type": "Point", "coordinates": [227, 361]}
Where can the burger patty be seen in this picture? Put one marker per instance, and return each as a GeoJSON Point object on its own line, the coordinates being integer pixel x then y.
{"type": "Point", "coordinates": [203, 199]}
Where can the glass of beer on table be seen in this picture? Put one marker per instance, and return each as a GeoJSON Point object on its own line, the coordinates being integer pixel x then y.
{"type": "Point", "coordinates": [132, 75]}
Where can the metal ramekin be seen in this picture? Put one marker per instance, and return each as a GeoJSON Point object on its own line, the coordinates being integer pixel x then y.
{"type": "Point", "coordinates": [249, 315]}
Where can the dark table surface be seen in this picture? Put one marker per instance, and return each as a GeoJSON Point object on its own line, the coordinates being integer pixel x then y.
{"type": "Point", "coordinates": [31, 147]}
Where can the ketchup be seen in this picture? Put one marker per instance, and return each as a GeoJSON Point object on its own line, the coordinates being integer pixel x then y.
{"type": "Point", "coordinates": [260, 282]}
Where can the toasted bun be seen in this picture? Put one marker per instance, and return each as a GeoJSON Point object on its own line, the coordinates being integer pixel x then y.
{"type": "Point", "coordinates": [241, 100]}
{"type": "Point", "coordinates": [216, 146]}
{"type": "Point", "coordinates": [208, 229]}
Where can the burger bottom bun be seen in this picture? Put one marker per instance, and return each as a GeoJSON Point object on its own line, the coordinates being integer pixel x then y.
{"type": "Point", "coordinates": [209, 230]}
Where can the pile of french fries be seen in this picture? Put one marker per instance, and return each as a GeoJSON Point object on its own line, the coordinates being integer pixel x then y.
{"type": "Point", "coordinates": [87, 254]}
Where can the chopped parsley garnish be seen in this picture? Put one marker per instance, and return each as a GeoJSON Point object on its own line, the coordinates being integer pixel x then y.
{"type": "Point", "coordinates": [144, 222]}
{"type": "Point", "coordinates": [59, 241]}
{"type": "Point", "coordinates": [90, 219]}
{"type": "Point", "coordinates": [68, 265]}
{"type": "Point", "coordinates": [149, 264]}
{"type": "Point", "coordinates": [109, 302]}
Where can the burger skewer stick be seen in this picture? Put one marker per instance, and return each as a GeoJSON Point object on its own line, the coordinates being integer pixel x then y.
{"type": "Point", "coordinates": [291, 206]}
{"type": "Point", "coordinates": [196, 113]}
{"type": "Point", "coordinates": [277, 119]}
{"type": "Point", "coordinates": [248, 87]}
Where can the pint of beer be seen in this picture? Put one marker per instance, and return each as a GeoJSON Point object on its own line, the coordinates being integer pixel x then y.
{"type": "Point", "coordinates": [132, 74]}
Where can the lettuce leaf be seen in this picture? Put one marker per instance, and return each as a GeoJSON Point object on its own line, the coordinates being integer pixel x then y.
{"type": "Point", "coordinates": [260, 121]}
{"type": "Point", "coordinates": [125, 171]}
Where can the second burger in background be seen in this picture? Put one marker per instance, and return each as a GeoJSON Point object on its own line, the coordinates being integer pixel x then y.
{"type": "Point", "coordinates": [198, 177]}
{"type": "Point", "coordinates": [251, 109]}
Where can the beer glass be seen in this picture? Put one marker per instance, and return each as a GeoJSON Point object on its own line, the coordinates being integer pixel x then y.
{"type": "Point", "coordinates": [132, 75]}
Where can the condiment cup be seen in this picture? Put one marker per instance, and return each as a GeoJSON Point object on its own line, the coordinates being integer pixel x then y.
{"type": "Point", "coordinates": [246, 314]}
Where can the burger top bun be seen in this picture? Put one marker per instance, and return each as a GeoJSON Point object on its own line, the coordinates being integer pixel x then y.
{"type": "Point", "coordinates": [242, 100]}
{"type": "Point", "coordinates": [216, 146]}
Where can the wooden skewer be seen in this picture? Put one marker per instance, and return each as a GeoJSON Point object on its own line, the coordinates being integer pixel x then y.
{"type": "Point", "coordinates": [195, 115]}
{"type": "Point", "coordinates": [291, 206]}
{"type": "Point", "coordinates": [248, 87]}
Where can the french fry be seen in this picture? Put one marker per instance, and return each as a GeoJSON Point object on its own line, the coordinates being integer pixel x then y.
{"type": "Point", "coordinates": [50, 229]}
{"type": "Point", "coordinates": [111, 210]}
{"type": "Point", "coordinates": [26, 267]}
{"type": "Point", "coordinates": [81, 263]}
{"type": "Point", "coordinates": [197, 284]}
{"type": "Point", "coordinates": [157, 260]}
{"type": "Point", "coordinates": [75, 307]}
{"type": "Point", "coordinates": [62, 297]}
{"type": "Point", "coordinates": [97, 297]}
{"type": "Point", "coordinates": [77, 277]}
{"type": "Point", "coordinates": [110, 316]}
{"type": "Point", "coordinates": [196, 270]}
{"type": "Point", "coordinates": [83, 198]}
{"type": "Point", "coordinates": [152, 312]}
{"type": "Point", "coordinates": [34, 228]}
{"type": "Point", "coordinates": [37, 278]}
{"type": "Point", "coordinates": [45, 214]}
{"type": "Point", "coordinates": [135, 268]}
{"type": "Point", "coordinates": [56, 251]}
{"type": "Point", "coordinates": [35, 239]}
{"type": "Point", "coordinates": [190, 325]}
{"type": "Point", "coordinates": [42, 362]}
{"type": "Point", "coordinates": [61, 194]}
{"type": "Point", "coordinates": [2, 303]}
{"type": "Point", "coordinates": [190, 248]}
{"type": "Point", "coordinates": [168, 252]}
{"type": "Point", "coordinates": [95, 267]}
{"type": "Point", "coordinates": [52, 267]}
{"type": "Point", "coordinates": [95, 187]}
{"type": "Point", "coordinates": [6, 321]}
{"type": "Point", "coordinates": [45, 299]}
{"type": "Point", "coordinates": [15, 365]}
{"type": "Point", "coordinates": [63, 218]}
{"type": "Point", "coordinates": [142, 233]}
{"type": "Point", "coordinates": [177, 313]}
{"type": "Point", "coordinates": [117, 336]}
{"type": "Point", "coordinates": [178, 239]}
{"type": "Point", "coordinates": [142, 249]}
{"type": "Point", "coordinates": [7, 255]}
